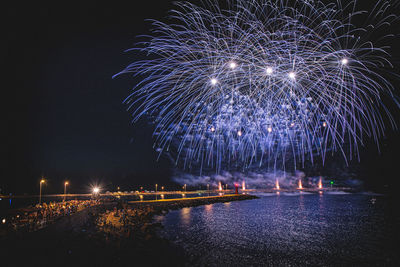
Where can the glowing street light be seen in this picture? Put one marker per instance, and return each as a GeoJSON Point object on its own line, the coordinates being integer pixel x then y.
{"type": "Point", "coordinates": [292, 75]}
{"type": "Point", "coordinates": [40, 190]}
{"type": "Point", "coordinates": [214, 81]}
{"type": "Point", "coordinates": [232, 65]}
{"type": "Point", "coordinates": [344, 61]}
{"type": "Point", "coordinates": [65, 190]}
{"type": "Point", "coordinates": [96, 190]}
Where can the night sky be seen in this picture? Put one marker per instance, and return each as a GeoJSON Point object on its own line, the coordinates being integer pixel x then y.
{"type": "Point", "coordinates": [64, 113]}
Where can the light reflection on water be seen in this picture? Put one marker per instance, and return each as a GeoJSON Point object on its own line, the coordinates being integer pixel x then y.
{"type": "Point", "coordinates": [286, 230]}
{"type": "Point", "coordinates": [185, 215]}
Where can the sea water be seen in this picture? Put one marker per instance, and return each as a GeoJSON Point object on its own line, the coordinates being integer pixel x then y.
{"type": "Point", "coordinates": [289, 230]}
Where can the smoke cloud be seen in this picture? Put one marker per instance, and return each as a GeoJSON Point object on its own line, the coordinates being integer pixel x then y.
{"type": "Point", "coordinates": [252, 179]}
{"type": "Point", "coordinates": [255, 180]}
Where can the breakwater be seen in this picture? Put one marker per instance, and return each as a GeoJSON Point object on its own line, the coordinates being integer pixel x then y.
{"type": "Point", "coordinates": [109, 234]}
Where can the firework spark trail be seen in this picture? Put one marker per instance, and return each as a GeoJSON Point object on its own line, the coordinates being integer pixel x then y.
{"type": "Point", "coordinates": [260, 83]}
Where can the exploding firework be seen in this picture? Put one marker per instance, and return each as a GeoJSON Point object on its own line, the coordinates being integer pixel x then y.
{"type": "Point", "coordinates": [262, 83]}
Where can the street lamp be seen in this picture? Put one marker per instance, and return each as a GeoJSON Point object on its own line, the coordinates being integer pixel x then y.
{"type": "Point", "coordinates": [65, 190]}
{"type": "Point", "coordinates": [96, 190]}
{"type": "Point", "coordinates": [40, 190]}
{"type": "Point", "coordinates": [156, 191]}
{"type": "Point", "coordinates": [185, 187]}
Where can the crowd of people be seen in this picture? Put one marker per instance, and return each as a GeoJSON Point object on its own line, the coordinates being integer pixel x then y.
{"type": "Point", "coordinates": [39, 216]}
{"type": "Point", "coordinates": [123, 222]}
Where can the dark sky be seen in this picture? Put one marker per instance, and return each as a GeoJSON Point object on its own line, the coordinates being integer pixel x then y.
{"type": "Point", "coordinates": [64, 112]}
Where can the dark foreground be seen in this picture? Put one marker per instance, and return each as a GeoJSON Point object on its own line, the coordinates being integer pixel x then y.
{"type": "Point", "coordinates": [108, 234]}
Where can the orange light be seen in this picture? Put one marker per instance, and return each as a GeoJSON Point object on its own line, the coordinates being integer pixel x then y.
{"type": "Point", "coordinates": [320, 183]}
{"type": "Point", "coordinates": [300, 184]}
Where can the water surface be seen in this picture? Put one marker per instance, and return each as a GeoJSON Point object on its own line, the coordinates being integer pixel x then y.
{"type": "Point", "coordinates": [289, 229]}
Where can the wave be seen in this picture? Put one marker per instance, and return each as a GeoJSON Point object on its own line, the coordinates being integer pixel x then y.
{"type": "Point", "coordinates": [337, 193]}
{"type": "Point", "coordinates": [369, 193]}
{"type": "Point", "coordinates": [266, 194]}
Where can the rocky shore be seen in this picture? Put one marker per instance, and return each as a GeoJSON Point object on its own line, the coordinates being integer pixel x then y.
{"type": "Point", "coordinates": [110, 234]}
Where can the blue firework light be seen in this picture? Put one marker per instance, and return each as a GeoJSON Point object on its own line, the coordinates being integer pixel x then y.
{"type": "Point", "coordinates": [262, 83]}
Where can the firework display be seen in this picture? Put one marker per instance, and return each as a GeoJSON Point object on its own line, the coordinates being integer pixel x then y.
{"type": "Point", "coordinates": [253, 84]}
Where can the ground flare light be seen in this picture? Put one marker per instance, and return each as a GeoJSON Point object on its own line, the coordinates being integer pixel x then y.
{"type": "Point", "coordinates": [300, 184]}
{"type": "Point", "coordinates": [320, 183]}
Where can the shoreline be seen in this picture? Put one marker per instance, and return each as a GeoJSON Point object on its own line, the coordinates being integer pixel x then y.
{"type": "Point", "coordinates": [228, 191]}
